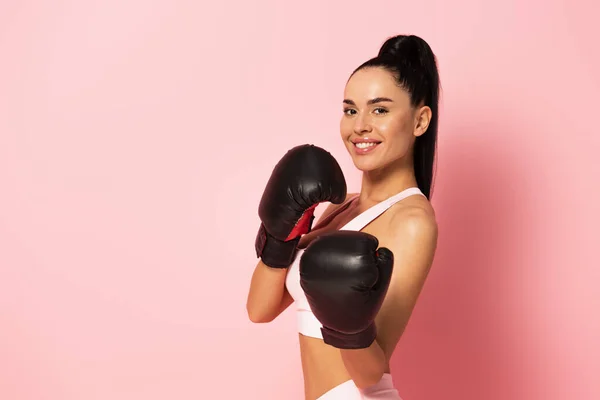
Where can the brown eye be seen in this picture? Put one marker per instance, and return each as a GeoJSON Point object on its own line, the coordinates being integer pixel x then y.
{"type": "Point", "coordinates": [380, 110]}
{"type": "Point", "coordinates": [349, 111]}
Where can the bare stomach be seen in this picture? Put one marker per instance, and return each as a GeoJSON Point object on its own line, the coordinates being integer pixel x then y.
{"type": "Point", "coordinates": [322, 366]}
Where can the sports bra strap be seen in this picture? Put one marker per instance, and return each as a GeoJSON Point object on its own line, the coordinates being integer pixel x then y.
{"type": "Point", "coordinates": [367, 216]}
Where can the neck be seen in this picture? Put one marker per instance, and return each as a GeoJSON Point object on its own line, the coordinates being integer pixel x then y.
{"type": "Point", "coordinates": [383, 183]}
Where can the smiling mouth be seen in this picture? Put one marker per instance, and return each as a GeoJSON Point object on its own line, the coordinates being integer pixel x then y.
{"type": "Point", "coordinates": [366, 145]}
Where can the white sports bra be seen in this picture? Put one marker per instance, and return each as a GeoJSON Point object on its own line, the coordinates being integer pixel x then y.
{"type": "Point", "coordinates": [308, 324]}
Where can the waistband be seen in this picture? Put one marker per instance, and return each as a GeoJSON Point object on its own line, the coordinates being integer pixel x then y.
{"type": "Point", "coordinates": [382, 390]}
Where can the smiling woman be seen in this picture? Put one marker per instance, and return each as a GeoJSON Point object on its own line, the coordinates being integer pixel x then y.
{"type": "Point", "coordinates": [356, 275]}
{"type": "Point", "coordinates": [389, 103]}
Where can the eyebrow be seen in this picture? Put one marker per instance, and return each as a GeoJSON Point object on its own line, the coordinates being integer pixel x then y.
{"type": "Point", "coordinates": [372, 101]}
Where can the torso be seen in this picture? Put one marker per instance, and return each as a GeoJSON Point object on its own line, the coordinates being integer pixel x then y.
{"type": "Point", "coordinates": [322, 365]}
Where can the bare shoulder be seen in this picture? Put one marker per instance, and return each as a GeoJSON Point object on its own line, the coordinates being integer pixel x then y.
{"type": "Point", "coordinates": [411, 233]}
{"type": "Point", "coordinates": [411, 219]}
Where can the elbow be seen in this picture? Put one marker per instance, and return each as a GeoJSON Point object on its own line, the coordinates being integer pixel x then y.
{"type": "Point", "coordinates": [365, 381]}
{"type": "Point", "coordinates": [258, 317]}
{"type": "Point", "coordinates": [366, 366]}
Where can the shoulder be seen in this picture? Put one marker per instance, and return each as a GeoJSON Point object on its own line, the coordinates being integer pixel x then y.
{"type": "Point", "coordinates": [415, 221]}
{"type": "Point", "coordinates": [412, 235]}
{"type": "Point", "coordinates": [411, 221]}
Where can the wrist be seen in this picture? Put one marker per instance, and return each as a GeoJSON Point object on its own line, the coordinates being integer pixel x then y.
{"type": "Point", "coordinates": [357, 340]}
{"type": "Point", "coordinates": [274, 252]}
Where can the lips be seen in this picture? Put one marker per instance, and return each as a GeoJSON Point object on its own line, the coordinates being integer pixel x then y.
{"type": "Point", "coordinates": [365, 146]}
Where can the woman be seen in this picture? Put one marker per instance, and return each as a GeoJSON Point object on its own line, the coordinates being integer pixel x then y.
{"type": "Point", "coordinates": [356, 275]}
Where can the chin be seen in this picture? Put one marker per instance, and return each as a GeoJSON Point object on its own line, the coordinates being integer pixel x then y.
{"type": "Point", "coordinates": [368, 162]}
{"type": "Point", "coordinates": [365, 164]}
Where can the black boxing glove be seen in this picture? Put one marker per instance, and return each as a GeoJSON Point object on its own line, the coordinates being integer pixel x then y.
{"type": "Point", "coordinates": [345, 279]}
{"type": "Point", "coordinates": [306, 176]}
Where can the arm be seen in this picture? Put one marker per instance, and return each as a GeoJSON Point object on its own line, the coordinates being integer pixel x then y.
{"type": "Point", "coordinates": [365, 366]}
{"type": "Point", "coordinates": [286, 211]}
{"type": "Point", "coordinates": [268, 297]}
{"type": "Point", "coordinates": [412, 239]}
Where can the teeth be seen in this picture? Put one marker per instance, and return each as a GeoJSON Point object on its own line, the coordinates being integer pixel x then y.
{"type": "Point", "coordinates": [365, 145]}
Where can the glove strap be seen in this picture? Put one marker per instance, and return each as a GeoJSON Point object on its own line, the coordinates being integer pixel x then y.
{"type": "Point", "coordinates": [273, 252]}
{"type": "Point", "coordinates": [359, 340]}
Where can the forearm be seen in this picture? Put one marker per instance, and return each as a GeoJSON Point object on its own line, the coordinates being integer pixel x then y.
{"type": "Point", "coordinates": [267, 296]}
{"type": "Point", "coordinates": [365, 366]}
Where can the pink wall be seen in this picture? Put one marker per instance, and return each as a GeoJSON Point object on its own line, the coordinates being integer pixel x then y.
{"type": "Point", "coordinates": [129, 193]}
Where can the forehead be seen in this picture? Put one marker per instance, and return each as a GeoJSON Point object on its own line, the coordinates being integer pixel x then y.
{"type": "Point", "coordinates": [369, 83]}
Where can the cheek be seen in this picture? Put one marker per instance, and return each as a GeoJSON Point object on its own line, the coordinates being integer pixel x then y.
{"type": "Point", "coordinates": [345, 128]}
{"type": "Point", "coordinates": [393, 128]}
{"type": "Point", "coordinates": [398, 133]}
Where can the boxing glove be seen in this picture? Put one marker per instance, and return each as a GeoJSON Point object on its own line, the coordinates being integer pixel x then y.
{"type": "Point", "coordinates": [345, 278]}
{"type": "Point", "coordinates": [306, 176]}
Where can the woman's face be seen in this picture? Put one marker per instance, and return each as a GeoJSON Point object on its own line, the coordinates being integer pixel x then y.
{"type": "Point", "coordinates": [379, 125]}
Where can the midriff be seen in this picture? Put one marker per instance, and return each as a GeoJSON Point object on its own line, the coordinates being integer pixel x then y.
{"type": "Point", "coordinates": [322, 366]}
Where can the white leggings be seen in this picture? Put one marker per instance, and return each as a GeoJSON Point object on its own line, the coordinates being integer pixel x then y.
{"type": "Point", "coordinates": [383, 390]}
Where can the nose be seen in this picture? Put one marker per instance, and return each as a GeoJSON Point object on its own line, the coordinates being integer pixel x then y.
{"type": "Point", "coordinates": [362, 124]}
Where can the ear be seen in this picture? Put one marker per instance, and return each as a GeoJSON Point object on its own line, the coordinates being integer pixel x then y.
{"type": "Point", "coordinates": [422, 120]}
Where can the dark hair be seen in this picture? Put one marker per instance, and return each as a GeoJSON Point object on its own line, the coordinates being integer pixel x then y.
{"type": "Point", "coordinates": [412, 62]}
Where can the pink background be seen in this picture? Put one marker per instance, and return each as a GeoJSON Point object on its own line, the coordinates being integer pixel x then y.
{"type": "Point", "coordinates": [130, 190]}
